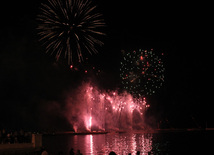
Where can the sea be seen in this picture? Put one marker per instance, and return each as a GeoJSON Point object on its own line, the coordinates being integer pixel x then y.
{"type": "Point", "coordinates": [154, 143]}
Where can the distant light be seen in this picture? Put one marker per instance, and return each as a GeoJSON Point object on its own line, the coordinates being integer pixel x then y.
{"type": "Point", "coordinates": [86, 71]}
{"type": "Point", "coordinates": [71, 66]}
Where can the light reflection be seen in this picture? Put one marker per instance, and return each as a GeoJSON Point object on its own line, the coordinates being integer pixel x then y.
{"type": "Point", "coordinates": [120, 143]}
{"type": "Point", "coordinates": [91, 144]}
{"type": "Point", "coordinates": [128, 143]}
{"type": "Point", "coordinates": [134, 145]}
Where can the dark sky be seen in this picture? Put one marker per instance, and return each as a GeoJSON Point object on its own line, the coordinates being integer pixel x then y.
{"type": "Point", "coordinates": [30, 78]}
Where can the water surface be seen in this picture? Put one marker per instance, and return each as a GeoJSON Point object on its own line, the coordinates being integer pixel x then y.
{"type": "Point", "coordinates": [124, 143]}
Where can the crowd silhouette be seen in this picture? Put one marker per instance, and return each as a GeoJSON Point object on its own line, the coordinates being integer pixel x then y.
{"type": "Point", "coordinates": [11, 137]}
{"type": "Point", "coordinates": [71, 152]}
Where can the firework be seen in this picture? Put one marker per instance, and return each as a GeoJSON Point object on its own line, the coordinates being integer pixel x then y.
{"type": "Point", "coordinates": [94, 109]}
{"type": "Point", "coordinates": [142, 72]}
{"type": "Point", "coordinates": [70, 27]}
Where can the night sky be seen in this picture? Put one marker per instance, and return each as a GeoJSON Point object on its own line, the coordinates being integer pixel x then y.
{"type": "Point", "coordinates": [30, 79]}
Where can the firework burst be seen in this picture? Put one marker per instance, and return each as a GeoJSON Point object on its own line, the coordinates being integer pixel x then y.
{"type": "Point", "coordinates": [142, 72]}
{"type": "Point", "coordinates": [70, 27]}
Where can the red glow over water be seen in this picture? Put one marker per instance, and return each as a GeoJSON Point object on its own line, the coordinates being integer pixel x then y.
{"type": "Point", "coordinates": [96, 109]}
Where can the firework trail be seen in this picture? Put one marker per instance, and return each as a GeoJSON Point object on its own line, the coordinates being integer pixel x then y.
{"type": "Point", "coordinates": [71, 27]}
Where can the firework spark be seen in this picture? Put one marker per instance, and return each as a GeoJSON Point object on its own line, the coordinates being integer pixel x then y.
{"type": "Point", "coordinates": [70, 27]}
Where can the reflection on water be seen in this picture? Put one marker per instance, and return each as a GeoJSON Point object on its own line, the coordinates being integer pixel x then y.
{"type": "Point", "coordinates": [100, 144]}
{"type": "Point", "coordinates": [157, 143]}
{"type": "Point", "coordinates": [128, 143]}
